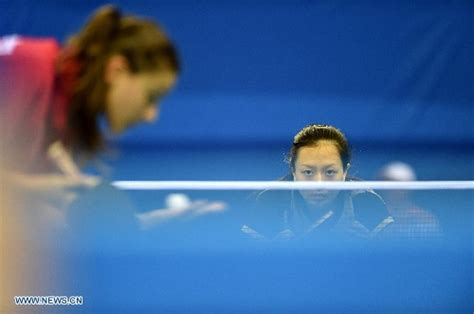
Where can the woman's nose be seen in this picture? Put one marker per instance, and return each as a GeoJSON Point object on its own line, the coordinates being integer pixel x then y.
{"type": "Point", "coordinates": [318, 177]}
{"type": "Point", "coordinates": [150, 114]}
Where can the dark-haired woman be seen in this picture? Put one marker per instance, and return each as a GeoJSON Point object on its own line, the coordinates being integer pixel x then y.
{"type": "Point", "coordinates": [319, 153]}
{"type": "Point", "coordinates": [51, 100]}
{"type": "Point", "coordinates": [117, 66]}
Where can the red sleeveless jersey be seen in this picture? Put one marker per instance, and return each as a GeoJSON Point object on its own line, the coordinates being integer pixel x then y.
{"type": "Point", "coordinates": [31, 106]}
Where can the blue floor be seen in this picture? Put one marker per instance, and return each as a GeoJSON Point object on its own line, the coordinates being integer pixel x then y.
{"type": "Point", "coordinates": [199, 266]}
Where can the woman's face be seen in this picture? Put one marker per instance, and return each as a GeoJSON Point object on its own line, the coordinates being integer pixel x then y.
{"type": "Point", "coordinates": [134, 97]}
{"type": "Point", "coordinates": [319, 162]}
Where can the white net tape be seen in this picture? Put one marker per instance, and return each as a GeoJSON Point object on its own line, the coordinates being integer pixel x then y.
{"type": "Point", "coordinates": [291, 185]}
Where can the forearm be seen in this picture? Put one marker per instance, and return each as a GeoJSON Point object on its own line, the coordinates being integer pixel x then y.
{"type": "Point", "coordinates": [156, 217]}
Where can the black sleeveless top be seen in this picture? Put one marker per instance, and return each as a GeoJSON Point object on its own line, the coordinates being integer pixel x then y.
{"type": "Point", "coordinates": [283, 215]}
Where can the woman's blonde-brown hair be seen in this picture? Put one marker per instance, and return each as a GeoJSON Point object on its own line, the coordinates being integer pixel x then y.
{"type": "Point", "coordinates": [145, 47]}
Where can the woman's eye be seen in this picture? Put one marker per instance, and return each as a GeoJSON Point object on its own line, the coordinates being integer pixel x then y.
{"type": "Point", "coordinates": [331, 172]}
{"type": "Point", "coordinates": [153, 97]}
{"type": "Point", "coordinates": [307, 172]}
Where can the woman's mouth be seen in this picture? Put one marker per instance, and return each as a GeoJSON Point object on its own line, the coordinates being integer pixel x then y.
{"type": "Point", "coordinates": [318, 195]}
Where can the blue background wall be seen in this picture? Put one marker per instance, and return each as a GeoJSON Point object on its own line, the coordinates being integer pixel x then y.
{"type": "Point", "coordinates": [383, 72]}
{"type": "Point", "coordinates": [396, 76]}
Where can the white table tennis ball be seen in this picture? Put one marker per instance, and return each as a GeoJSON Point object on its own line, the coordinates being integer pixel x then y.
{"type": "Point", "coordinates": [177, 201]}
